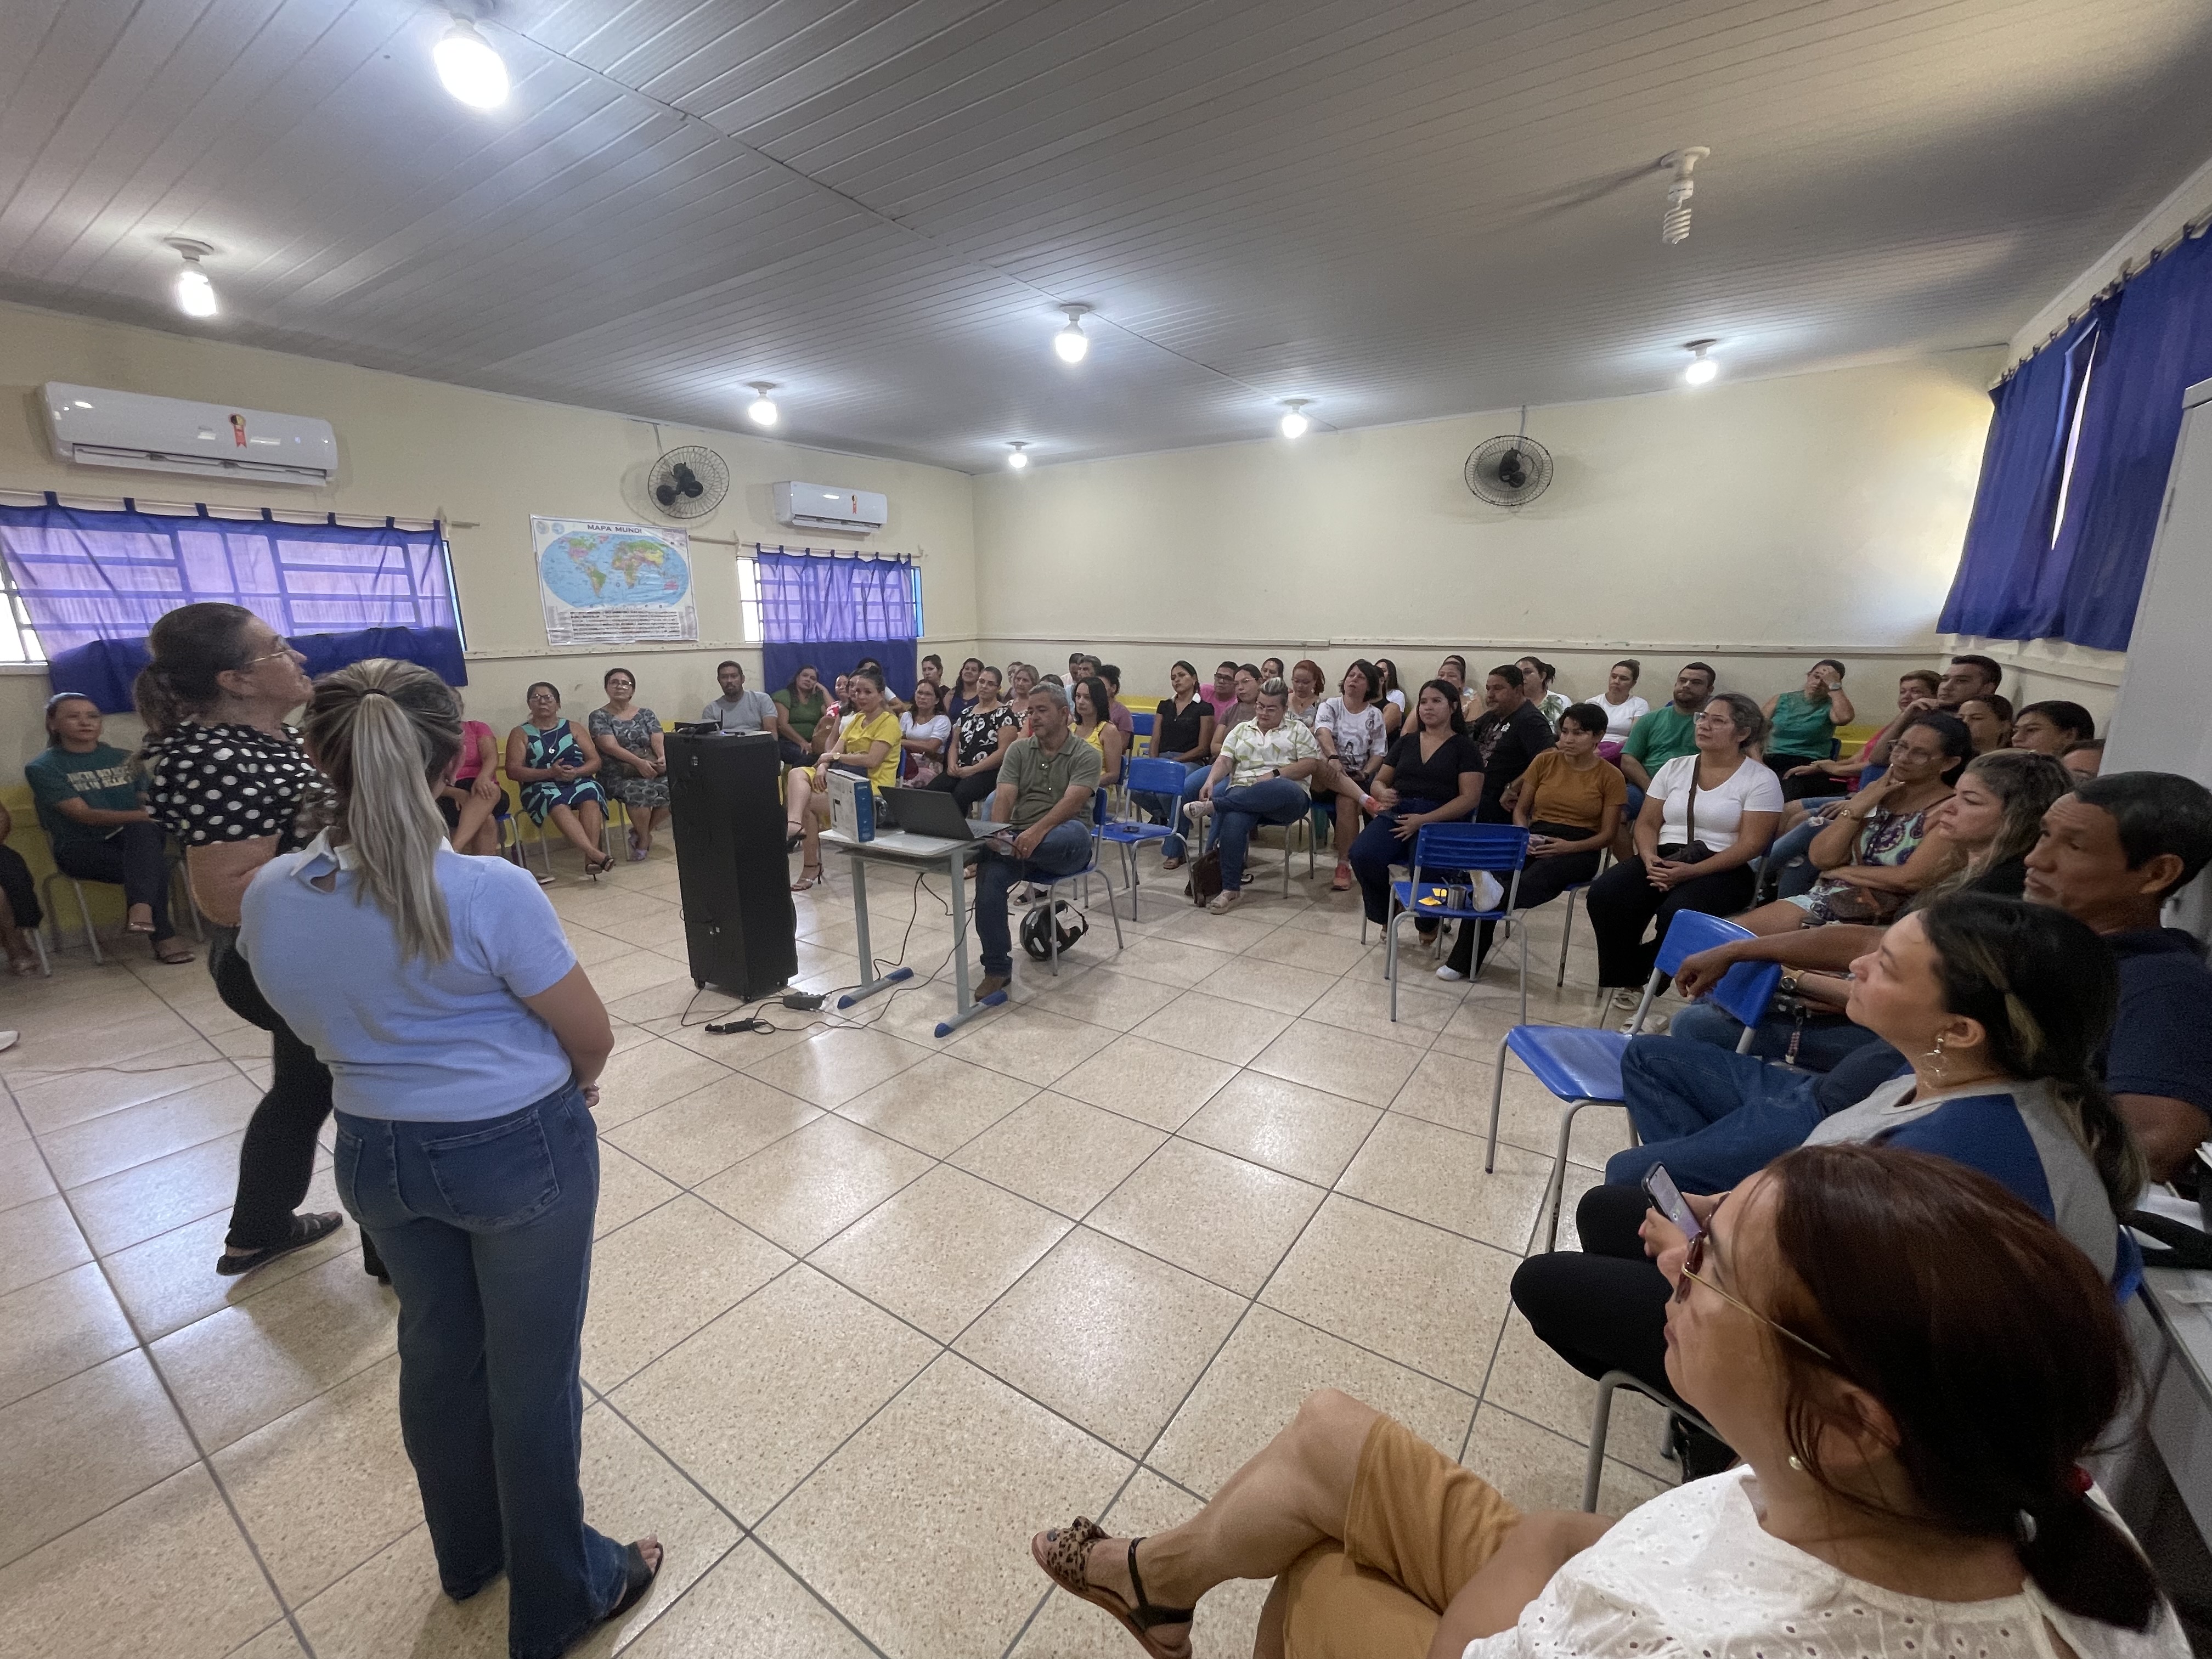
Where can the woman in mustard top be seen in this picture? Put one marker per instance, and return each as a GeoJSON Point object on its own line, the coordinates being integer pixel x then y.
{"type": "Point", "coordinates": [1093, 711]}
{"type": "Point", "coordinates": [868, 742]}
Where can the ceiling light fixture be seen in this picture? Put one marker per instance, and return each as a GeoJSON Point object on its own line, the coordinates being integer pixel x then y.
{"type": "Point", "coordinates": [470, 67]}
{"type": "Point", "coordinates": [1701, 368]}
{"type": "Point", "coordinates": [1294, 423]}
{"type": "Point", "coordinates": [1072, 343]}
{"type": "Point", "coordinates": [195, 294]}
{"type": "Point", "coordinates": [762, 410]}
{"type": "Point", "coordinates": [1018, 460]}
{"type": "Point", "coordinates": [1674, 225]}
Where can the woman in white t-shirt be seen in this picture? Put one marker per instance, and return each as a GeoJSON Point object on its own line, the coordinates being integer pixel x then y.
{"type": "Point", "coordinates": [925, 735]}
{"type": "Point", "coordinates": [1705, 816]}
{"type": "Point", "coordinates": [1353, 735]}
{"type": "Point", "coordinates": [1820, 1319]}
{"type": "Point", "coordinates": [1622, 708]}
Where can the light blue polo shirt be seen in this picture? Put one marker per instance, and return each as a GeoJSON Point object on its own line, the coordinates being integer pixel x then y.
{"type": "Point", "coordinates": [405, 1040]}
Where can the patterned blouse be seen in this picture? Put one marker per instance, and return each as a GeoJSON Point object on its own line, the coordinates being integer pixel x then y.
{"type": "Point", "coordinates": [234, 782]}
{"type": "Point", "coordinates": [1886, 838]}
{"type": "Point", "coordinates": [979, 732]}
{"type": "Point", "coordinates": [1254, 752]}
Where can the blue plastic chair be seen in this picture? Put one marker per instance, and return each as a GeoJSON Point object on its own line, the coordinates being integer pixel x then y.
{"type": "Point", "coordinates": [1044, 889]}
{"type": "Point", "coordinates": [1581, 1066]}
{"type": "Point", "coordinates": [1500, 848]}
{"type": "Point", "coordinates": [1146, 777]}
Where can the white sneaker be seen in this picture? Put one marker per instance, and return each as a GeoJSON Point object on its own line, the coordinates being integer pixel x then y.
{"type": "Point", "coordinates": [1450, 972]}
{"type": "Point", "coordinates": [1224, 900]}
{"type": "Point", "coordinates": [8, 1040]}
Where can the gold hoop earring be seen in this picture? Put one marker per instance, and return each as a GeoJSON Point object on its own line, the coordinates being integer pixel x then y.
{"type": "Point", "coordinates": [1936, 1055]}
{"type": "Point", "coordinates": [1796, 1462]}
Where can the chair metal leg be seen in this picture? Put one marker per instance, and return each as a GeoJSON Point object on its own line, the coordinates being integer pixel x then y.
{"type": "Point", "coordinates": [39, 944]}
{"type": "Point", "coordinates": [1566, 934]}
{"type": "Point", "coordinates": [1555, 1190]}
{"type": "Point", "coordinates": [1524, 971]}
{"type": "Point", "coordinates": [84, 909]}
{"type": "Point", "coordinates": [1601, 1423]}
{"type": "Point", "coordinates": [1497, 1102]}
{"type": "Point", "coordinates": [1390, 960]}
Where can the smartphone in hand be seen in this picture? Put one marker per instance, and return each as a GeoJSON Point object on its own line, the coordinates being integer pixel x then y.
{"type": "Point", "coordinates": [1666, 1198]}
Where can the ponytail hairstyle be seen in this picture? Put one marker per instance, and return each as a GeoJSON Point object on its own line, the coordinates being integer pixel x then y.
{"type": "Point", "coordinates": [384, 731]}
{"type": "Point", "coordinates": [2045, 990]}
{"type": "Point", "coordinates": [1991, 1342]}
{"type": "Point", "coordinates": [189, 648]}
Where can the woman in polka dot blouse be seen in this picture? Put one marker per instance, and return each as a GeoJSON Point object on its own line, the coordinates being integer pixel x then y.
{"type": "Point", "coordinates": [230, 781]}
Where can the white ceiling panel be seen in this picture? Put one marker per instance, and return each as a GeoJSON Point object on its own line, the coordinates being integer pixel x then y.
{"type": "Point", "coordinates": [1401, 209]}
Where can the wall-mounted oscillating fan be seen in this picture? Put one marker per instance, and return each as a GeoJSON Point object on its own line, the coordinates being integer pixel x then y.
{"type": "Point", "coordinates": [689, 482]}
{"type": "Point", "coordinates": [1509, 472]}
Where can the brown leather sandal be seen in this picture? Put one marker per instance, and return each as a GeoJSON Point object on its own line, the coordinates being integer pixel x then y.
{"type": "Point", "coordinates": [1061, 1551]}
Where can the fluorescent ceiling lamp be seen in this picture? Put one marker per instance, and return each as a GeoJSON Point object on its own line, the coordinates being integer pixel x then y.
{"type": "Point", "coordinates": [469, 67]}
{"type": "Point", "coordinates": [1018, 460]}
{"type": "Point", "coordinates": [195, 294]}
{"type": "Point", "coordinates": [1294, 423]}
{"type": "Point", "coordinates": [1701, 368]}
{"type": "Point", "coordinates": [763, 411]}
{"type": "Point", "coordinates": [1070, 342]}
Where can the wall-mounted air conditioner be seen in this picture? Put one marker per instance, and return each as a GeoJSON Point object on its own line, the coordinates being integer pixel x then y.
{"type": "Point", "coordinates": [826, 507]}
{"type": "Point", "coordinates": [130, 429]}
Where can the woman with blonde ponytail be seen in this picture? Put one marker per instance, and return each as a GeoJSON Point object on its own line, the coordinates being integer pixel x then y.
{"type": "Point", "coordinates": [466, 1045]}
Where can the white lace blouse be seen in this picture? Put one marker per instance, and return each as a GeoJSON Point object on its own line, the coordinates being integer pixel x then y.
{"type": "Point", "coordinates": [1693, 1574]}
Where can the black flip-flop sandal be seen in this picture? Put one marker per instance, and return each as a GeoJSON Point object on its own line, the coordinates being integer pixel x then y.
{"type": "Point", "coordinates": [637, 1579]}
{"type": "Point", "coordinates": [305, 1229]}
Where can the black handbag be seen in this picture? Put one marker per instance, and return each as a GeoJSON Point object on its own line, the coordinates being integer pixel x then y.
{"type": "Point", "coordinates": [1693, 851]}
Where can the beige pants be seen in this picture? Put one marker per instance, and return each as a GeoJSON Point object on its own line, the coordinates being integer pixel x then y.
{"type": "Point", "coordinates": [1418, 1527]}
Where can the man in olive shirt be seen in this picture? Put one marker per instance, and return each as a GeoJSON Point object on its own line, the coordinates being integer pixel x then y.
{"type": "Point", "coordinates": [1045, 789]}
{"type": "Point", "coordinates": [1668, 734]}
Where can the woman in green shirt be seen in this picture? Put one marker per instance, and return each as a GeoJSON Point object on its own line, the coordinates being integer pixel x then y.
{"type": "Point", "coordinates": [95, 823]}
{"type": "Point", "coordinates": [1802, 726]}
{"type": "Point", "coordinates": [799, 708]}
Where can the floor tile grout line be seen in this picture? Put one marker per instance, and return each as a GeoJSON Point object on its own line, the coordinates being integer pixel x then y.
{"type": "Point", "coordinates": [191, 1438]}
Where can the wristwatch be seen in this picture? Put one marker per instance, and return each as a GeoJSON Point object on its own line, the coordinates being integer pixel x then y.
{"type": "Point", "coordinates": [1791, 978]}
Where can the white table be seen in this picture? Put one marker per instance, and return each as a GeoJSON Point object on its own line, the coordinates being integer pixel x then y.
{"type": "Point", "coordinates": [903, 849]}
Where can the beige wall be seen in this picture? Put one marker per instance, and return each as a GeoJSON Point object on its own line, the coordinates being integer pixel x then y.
{"type": "Point", "coordinates": [1755, 524]}
{"type": "Point", "coordinates": [483, 464]}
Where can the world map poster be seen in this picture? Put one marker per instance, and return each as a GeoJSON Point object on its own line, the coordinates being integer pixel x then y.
{"type": "Point", "coordinates": [611, 584]}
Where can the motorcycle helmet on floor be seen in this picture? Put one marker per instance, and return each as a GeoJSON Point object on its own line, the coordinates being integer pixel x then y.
{"type": "Point", "coordinates": [1039, 926]}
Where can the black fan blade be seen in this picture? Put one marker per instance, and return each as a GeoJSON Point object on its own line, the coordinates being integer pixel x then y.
{"type": "Point", "coordinates": [664, 494]}
{"type": "Point", "coordinates": [693, 488]}
{"type": "Point", "coordinates": [1511, 472]}
{"type": "Point", "coordinates": [687, 479]}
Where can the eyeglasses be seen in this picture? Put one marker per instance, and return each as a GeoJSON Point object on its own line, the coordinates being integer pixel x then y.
{"type": "Point", "coordinates": [284, 649]}
{"type": "Point", "coordinates": [1690, 1275]}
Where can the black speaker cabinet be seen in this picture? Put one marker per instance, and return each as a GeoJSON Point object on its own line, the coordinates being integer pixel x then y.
{"type": "Point", "coordinates": [735, 879]}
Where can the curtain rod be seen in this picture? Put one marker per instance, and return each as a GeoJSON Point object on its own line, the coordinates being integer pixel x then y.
{"type": "Point", "coordinates": [874, 555]}
{"type": "Point", "coordinates": [218, 510]}
{"type": "Point", "coordinates": [2128, 271]}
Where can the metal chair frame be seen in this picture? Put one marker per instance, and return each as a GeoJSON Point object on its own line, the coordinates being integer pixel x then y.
{"type": "Point", "coordinates": [1044, 889]}
{"type": "Point", "coordinates": [1496, 848]}
{"type": "Point", "coordinates": [1129, 833]}
{"type": "Point", "coordinates": [178, 879]}
{"type": "Point", "coordinates": [1601, 1420]}
{"type": "Point", "coordinates": [1744, 990]}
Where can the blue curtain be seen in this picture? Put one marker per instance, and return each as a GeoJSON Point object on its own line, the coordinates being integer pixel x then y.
{"type": "Point", "coordinates": [2161, 344]}
{"type": "Point", "coordinates": [95, 582]}
{"type": "Point", "coordinates": [830, 612]}
{"type": "Point", "coordinates": [2009, 584]}
{"type": "Point", "coordinates": [2135, 352]}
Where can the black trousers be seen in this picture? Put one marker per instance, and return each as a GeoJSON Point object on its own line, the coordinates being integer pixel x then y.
{"type": "Point", "coordinates": [1603, 1308]}
{"type": "Point", "coordinates": [278, 1158]}
{"type": "Point", "coordinates": [19, 890]}
{"type": "Point", "coordinates": [975, 786]}
{"type": "Point", "coordinates": [1542, 881]}
{"type": "Point", "coordinates": [135, 859]}
{"type": "Point", "coordinates": [1623, 905]}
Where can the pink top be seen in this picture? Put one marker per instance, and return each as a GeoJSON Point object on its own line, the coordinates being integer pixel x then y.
{"type": "Point", "coordinates": [472, 759]}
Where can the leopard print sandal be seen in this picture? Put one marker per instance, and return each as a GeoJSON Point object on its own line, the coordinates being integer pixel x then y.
{"type": "Point", "coordinates": [1061, 1551]}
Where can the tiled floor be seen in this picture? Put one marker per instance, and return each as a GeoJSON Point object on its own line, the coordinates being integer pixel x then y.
{"type": "Point", "coordinates": [867, 1308]}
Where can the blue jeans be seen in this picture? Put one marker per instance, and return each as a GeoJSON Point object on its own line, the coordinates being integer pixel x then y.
{"type": "Point", "coordinates": [1790, 858]}
{"type": "Point", "coordinates": [1822, 1040]}
{"type": "Point", "coordinates": [1168, 809]}
{"type": "Point", "coordinates": [1065, 850]}
{"type": "Point", "coordinates": [1237, 812]}
{"type": "Point", "coordinates": [1373, 851]}
{"type": "Point", "coordinates": [486, 1228]}
{"type": "Point", "coordinates": [1711, 1116]}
